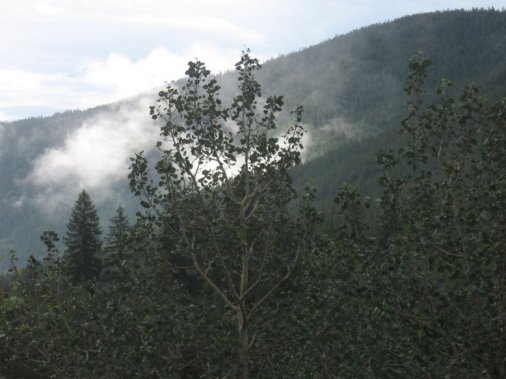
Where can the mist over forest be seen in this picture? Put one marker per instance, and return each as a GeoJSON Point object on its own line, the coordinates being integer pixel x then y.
{"type": "Point", "coordinates": [230, 215]}
{"type": "Point", "coordinates": [351, 87]}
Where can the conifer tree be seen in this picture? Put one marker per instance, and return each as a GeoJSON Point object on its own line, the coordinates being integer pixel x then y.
{"type": "Point", "coordinates": [115, 242]}
{"type": "Point", "coordinates": [83, 240]}
{"type": "Point", "coordinates": [118, 230]}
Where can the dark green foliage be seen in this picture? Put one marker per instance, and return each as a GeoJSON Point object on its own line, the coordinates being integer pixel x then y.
{"type": "Point", "coordinates": [222, 194]}
{"type": "Point", "coordinates": [5, 284]}
{"type": "Point", "coordinates": [408, 284]}
{"type": "Point", "coordinates": [116, 244]}
{"type": "Point", "coordinates": [50, 328]}
{"type": "Point", "coordinates": [82, 240]}
{"type": "Point", "coordinates": [426, 287]}
{"type": "Point", "coordinates": [443, 270]}
{"type": "Point", "coordinates": [118, 230]}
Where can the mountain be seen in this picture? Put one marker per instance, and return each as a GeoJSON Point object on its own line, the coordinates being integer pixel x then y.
{"type": "Point", "coordinates": [351, 87]}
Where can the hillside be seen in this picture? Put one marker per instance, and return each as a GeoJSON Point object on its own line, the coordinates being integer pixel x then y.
{"type": "Point", "coordinates": [359, 77]}
{"type": "Point", "coordinates": [236, 276]}
{"type": "Point", "coordinates": [351, 86]}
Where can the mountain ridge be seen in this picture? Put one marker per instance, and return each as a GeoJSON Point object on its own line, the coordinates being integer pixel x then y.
{"type": "Point", "coordinates": [350, 85]}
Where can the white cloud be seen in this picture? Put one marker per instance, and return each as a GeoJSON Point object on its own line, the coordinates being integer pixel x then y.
{"type": "Point", "coordinates": [95, 156]}
{"type": "Point", "coordinates": [120, 77]}
{"type": "Point", "coordinates": [195, 17]}
{"type": "Point", "coordinates": [61, 54]}
{"type": "Point", "coordinates": [104, 81]}
{"type": "Point", "coordinates": [4, 117]}
{"type": "Point", "coordinates": [18, 87]}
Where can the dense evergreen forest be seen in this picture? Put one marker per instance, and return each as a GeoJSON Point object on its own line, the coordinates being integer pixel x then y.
{"type": "Point", "coordinates": [380, 257]}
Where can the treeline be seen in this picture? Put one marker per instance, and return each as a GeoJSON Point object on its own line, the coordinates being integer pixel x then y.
{"type": "Point", "coordinates": [227, 273]}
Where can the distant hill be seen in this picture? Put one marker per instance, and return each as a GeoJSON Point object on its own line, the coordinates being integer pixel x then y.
{"type": "Point", "coordinates": [351, 87]}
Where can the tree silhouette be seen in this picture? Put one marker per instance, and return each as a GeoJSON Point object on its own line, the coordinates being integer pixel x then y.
{"type": "Point", "coordinates": [224, 193]}
{"type": "Point", "coordinates": [115, 243]}
{"type": "Point", "coordinates": [83, 240]}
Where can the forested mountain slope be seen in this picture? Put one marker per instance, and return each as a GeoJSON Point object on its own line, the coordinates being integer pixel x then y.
{"type": "Point", "coordinates": [235, 276]}
{"type": "Point", "coordinates": [359, 77]}
{"type": "Point", "coordinates": [351, 87]}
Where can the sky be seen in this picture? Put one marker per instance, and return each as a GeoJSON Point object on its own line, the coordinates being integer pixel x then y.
{"type": "Point", "coordinates": [76, 54]}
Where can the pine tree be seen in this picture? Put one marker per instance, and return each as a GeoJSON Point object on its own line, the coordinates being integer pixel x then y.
{"type": "Point", "coordinates": [115, 243]}
{"type": "Point", "coordinates": [118, 231]}
{"type": "Point", "coordinates": [83, 240]}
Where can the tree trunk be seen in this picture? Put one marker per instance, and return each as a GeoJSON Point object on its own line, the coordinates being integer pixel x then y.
{"type": "Point", "coordinates": [242, 328]}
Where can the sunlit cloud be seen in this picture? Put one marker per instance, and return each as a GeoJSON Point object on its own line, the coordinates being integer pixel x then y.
{"type": "Point", "coordinates": [103, 81]}
{"type": "Point", "coordinates": [95, 156]}
{"type": "Point", "coordinates": [60, 54]}
{"type": "Point", "coordinates": [119, 76]}
{"type": "Point", "coordinates": [18, 87]}
{"type": "Point", "coordinates": [193, 17]}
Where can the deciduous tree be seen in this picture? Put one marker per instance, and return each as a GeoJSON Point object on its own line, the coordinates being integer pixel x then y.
{"type": "Point", "coordinates": [223, 191]}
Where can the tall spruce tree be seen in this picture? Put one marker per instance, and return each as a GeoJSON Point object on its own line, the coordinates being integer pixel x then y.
{"type": "Point", "coordinates": [115, 244]}
{"type": "Point", "coordinates": [116, 238]}
{"type": "Point", "coordinates": [83, 240]}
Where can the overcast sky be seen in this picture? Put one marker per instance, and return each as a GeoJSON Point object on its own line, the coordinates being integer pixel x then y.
{"type": "Point", "coordinates": [74, 54]}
